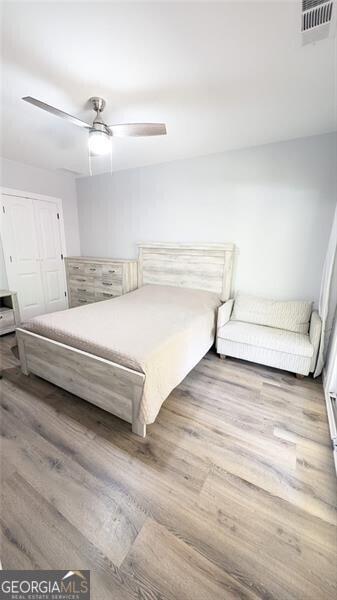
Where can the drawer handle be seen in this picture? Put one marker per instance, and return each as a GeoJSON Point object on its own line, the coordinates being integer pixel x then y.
{"type": "Point", "coordinates": [111, 271]}
{"type": "Point", "coordinates": [92, 269]}
{"type": "Point", "coordinates": [107, 294]}
{"type": "Point", "coordinates": [81, 279]}
{"type": "Point", "coordinates": [81, 290]}
{"type": "Point", "coordinates": [75, 268]}
{"type": "Point", "coordinates": [104, 283]}
{"type": "Point", "coordinates": [83, 301]}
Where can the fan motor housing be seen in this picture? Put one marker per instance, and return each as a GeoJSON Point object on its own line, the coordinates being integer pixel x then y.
{"type": "Point", "coordinates": [98, 103]}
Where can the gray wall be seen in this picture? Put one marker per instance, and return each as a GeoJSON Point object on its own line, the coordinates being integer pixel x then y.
{"type": "Point", "coordinates": [275, 202]}
{"type": "Point", "coordinates": [51, 183]}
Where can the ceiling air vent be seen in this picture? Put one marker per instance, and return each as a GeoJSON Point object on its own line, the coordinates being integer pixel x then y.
{"type": "Point", "coordinates": [316, 13]}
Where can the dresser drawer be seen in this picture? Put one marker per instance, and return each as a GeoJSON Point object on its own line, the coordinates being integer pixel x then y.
{"type": "Point", "coordinates": [81, 279]}
{"type": "Point", "coordinates": [82, 289]}
{"type": "Point", "coordinates": [6, 318]}
{"type": "Point", "coordinates": [112, 270]}
{"type": "Point", "coordinates": [75, 268]}
{"type": "Point", "coordinates": [113, 287]}
{"type": "Point", "coordinates": [81, 299]}
{"type": "Point", "coordinates": [93, 269]}
{"type": "Point", "coordinates": [103, 295]}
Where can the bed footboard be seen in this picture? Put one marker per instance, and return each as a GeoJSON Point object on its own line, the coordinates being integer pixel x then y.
{"type": "Point", "coordinates": [115, 388]}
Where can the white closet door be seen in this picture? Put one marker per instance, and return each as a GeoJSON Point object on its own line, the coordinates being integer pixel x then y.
{"type": "Point", "coordinates": [22, 255]}
{"type": "Point", "coordinates": [51, 258]}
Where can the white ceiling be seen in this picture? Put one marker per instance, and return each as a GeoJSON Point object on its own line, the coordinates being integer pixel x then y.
{"type": "Point", "coordinates": [221, 75]}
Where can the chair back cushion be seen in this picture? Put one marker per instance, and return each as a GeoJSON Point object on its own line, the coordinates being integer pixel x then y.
{"type": "Point", "coordinates": [290, 315]}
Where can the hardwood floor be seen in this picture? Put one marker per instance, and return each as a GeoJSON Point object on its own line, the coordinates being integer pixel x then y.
{"type": "Point", "coordinates": [231, 495]}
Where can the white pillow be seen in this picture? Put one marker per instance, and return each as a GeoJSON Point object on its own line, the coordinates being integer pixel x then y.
{"type": "Point", "coordinates": [290, 315]}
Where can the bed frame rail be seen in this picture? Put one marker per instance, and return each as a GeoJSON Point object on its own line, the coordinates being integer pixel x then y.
{"type": "Point", "coordinates": [115, 388]}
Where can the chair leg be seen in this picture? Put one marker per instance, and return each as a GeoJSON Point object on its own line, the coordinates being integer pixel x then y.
{"type": "Point", "coordinates": [300, 376]}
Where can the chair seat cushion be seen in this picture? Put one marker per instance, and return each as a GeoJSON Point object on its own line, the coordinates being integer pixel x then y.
{"type": "Point", "coordinates": [269, 338]}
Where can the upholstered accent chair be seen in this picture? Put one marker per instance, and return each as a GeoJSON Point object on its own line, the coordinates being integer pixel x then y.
{"type": "Point", "coordinates": [284, 335]}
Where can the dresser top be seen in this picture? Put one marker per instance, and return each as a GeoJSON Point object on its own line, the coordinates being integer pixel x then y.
{"type": "Point", "coordinates": [101, 259]}
{"type": "Point", "coordinates": [4, 293]}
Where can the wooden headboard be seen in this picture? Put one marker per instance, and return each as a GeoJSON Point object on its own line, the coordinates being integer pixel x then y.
{"type": "Point", "coordinates": [199, 266]}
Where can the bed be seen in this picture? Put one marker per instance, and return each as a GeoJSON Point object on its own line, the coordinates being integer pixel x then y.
{"type": "Point", "coordinates": [125, 355]}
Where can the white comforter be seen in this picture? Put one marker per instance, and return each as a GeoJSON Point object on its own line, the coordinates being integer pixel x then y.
{"type": "Point", "coordinates": [163, 331]}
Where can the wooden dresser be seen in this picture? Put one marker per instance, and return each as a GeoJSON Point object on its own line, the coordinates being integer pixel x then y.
{"type": "Point", "coordinates": [91, 279]}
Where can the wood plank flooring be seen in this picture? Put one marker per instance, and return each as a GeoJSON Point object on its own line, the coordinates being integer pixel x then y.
{"type": "Point", "coordinates": [231, 495]}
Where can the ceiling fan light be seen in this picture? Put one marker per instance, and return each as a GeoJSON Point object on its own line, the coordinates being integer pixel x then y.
{"type": "Point", "coordinates": [99, 142]}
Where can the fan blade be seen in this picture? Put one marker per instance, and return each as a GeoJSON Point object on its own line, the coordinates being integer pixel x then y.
{"type": "Point", "coordinates": [138, 129]}
{"type": "Point", "coordinates": [56, 112]}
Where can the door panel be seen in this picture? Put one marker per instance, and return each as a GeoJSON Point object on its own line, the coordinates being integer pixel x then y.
{"type": "Point", "coordinates": [28, 284]}
{"type": "Point", "coordinates": [52, 279]}
{"type": "Point", "coordinates": [49, 232]}
{"type": "Point", "coordinates": [51, 261]}
{"type": "Point", "coordinates": [22, 255]}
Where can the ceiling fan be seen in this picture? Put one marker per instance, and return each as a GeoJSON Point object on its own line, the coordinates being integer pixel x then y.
{"type": "Point", "coordinates": [100, 133]}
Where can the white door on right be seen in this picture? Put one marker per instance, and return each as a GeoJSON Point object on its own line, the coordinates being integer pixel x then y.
{"type": "Point", "coordinates": [51, 257]}
{"type": "Point", "coordinates": [22, 254]}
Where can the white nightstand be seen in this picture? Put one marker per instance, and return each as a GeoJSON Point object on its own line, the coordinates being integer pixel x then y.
{"type": "Point", "coordinates": [9, 312]}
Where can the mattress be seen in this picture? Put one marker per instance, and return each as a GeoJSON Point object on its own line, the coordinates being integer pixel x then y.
{"type": "Point", "coordinates": [162, 331]}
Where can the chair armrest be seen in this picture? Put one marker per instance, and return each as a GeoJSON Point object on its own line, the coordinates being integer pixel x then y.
{"type": "Point", "coordinates": [224, 313]}
{"type": "Point", "coordinates": [315, 336]}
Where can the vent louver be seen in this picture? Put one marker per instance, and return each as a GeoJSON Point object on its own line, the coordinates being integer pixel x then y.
{"type": "Point", "coordinates": [316, 13]}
